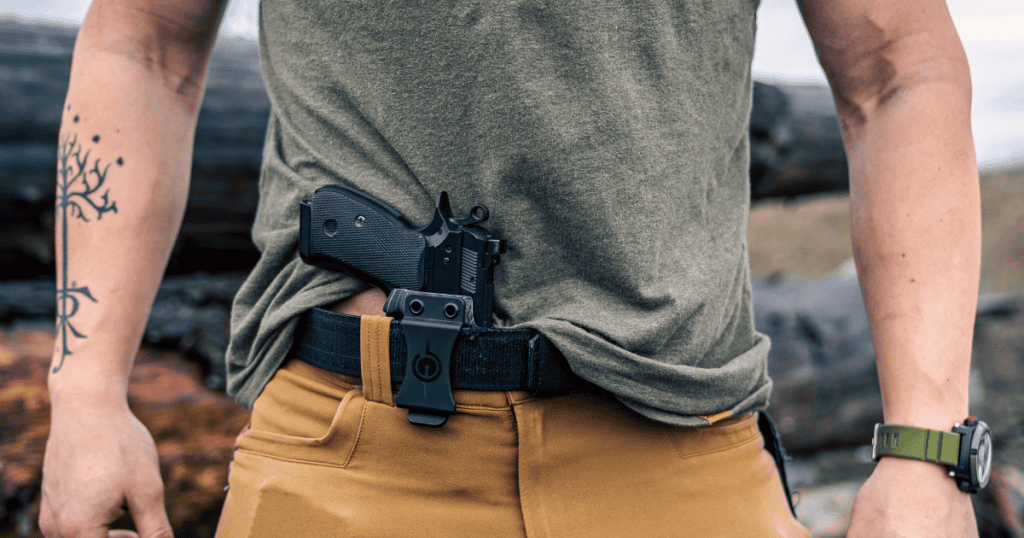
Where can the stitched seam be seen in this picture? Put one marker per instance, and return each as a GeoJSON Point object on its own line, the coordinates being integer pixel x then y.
{"type": "Point", "coordinates": [524, 400]}
{"type": "Point", "coordinates": [383, 336]}
{"type": "Point", "coordinates": [310, 442]}
{"type": "Point", "coordinates": [480, 408]}
{"type": "Point", "coordinates": [717, 450]}
{"type": "Point", "coordinates": [385, 339]}
{"type": "Point", "coordinates": [365, 354]}
{"type": "Point", "coordinates": [359, 435]}
{"type": "Point", "coordinates": [291, 460]}
{"type": "Point", "coordinates": [363, 351]}
{"type": "Point", "coordinates": [283, 438]}
{"type": "Point", "coordinates": [374, 355]}
{"type": "Point", "coordinates": [378, 390]}
{"type": "Point", "coordinates": [378, 351]}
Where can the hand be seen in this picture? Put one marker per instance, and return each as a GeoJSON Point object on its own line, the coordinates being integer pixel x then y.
{"type": "Point", "coordinates": [908, 498]}
{"type": "Point", "coordinates": [97, 457]}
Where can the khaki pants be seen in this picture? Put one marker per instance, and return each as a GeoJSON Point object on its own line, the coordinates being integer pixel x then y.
{"type": "Point", "coordinates": [328, 455]}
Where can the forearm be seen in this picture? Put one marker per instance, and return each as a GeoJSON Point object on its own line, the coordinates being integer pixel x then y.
{"type": "Point", "coordinates": [903, 93]}
{"type": "Point", "coordinates": [917, 237]}
{"type": "Point", "coordinates": [123, 169]}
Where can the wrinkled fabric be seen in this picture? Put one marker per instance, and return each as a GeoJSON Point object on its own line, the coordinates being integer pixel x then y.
{"type": "Point", "coordinates": [608, 139]}
{"type": "Point", "coordinates": [328, 455]}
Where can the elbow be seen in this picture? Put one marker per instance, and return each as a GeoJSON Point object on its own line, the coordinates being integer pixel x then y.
{"type": "Point", "coordinates": [185, 82]}
{"type": "Point", "coordinates": [869, 81]}
{"type": "Point", "coordinates": [171, 48]}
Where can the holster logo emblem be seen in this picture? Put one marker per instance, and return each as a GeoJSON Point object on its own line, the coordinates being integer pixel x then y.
{"type": "Point", "coordinates": [426, 367]}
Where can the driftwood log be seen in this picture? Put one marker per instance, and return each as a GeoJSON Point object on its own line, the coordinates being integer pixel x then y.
{"type": "Point", "coordinates": [822, 361]}
{"type": "Point", "coordinates": [35, 63]}
{"type": "Point", "coordinates": [795, 144]}
{"type": "Point", "coordinates": [796, 149]}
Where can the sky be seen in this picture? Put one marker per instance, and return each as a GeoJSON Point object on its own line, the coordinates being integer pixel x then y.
{"type": "Point", "coordinates": [992, 32]}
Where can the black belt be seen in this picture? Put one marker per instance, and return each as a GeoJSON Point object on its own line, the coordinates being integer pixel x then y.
{"type": "Point", "coordinates": [483, 359]}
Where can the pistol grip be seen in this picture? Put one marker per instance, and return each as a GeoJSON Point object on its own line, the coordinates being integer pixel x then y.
{"type": "Point", "coordinates": [342, 227]}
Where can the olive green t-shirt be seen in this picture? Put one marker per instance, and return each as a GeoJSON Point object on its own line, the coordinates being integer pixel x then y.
{"type": "Point", "coordinates": [607, 138]}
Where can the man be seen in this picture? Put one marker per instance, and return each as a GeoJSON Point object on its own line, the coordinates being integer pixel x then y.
{"type": "Point", "coordinates": [609, 142]}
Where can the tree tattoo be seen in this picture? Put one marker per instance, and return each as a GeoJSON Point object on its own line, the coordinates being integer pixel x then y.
{"type": "Point", "coordinates": [80, 179]}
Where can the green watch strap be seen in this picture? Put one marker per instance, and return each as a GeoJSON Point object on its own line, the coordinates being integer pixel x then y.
{"type": "Point", "coordinates": [916, 443]}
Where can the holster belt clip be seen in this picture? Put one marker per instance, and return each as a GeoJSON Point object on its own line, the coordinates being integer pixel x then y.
{"type": "Point", "coordinates": [431, 323]}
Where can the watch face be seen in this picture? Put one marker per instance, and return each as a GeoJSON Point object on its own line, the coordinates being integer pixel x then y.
{"type": "Point", "coordinates": [983, 463]}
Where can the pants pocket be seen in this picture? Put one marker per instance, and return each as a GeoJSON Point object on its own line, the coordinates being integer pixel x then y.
{"type": "Point", "coordinates": [302, 416]}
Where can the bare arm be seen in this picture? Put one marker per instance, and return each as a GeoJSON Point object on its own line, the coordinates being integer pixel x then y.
{"type": "Point", "coordinates": [137, 81]}
{"type": "Point", "coordinates": [902, 88]}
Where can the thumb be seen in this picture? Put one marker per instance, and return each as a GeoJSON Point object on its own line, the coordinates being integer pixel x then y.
{"type": "Point", "coordinates": [150, 516]}
{"type": "Point", "coordinates": [122, 534]}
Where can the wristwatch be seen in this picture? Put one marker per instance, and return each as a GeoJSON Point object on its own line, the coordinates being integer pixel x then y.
{"type": "Point", "coordinates": [966, 451]}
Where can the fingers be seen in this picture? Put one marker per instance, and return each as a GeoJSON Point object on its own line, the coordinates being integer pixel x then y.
{"type": "Point", "coordinates": [89, 472]}
{"type": "Point", "coordinates": [69, 525]}
{"type": "Point", "coordinates": [47, 521]}
{"type": "Point", "coordinates": [147, 510]}
{"type": "Point", "coordinates": [149, 513]}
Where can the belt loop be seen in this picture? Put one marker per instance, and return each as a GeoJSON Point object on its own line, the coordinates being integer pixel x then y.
{"type": "Point", "coordinates": [375, 358]}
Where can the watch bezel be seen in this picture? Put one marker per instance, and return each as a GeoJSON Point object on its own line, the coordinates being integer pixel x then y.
{"type": "Point", "coordinates": [982, 434]}
{"type": "Point", "coordinates": [968, 473]}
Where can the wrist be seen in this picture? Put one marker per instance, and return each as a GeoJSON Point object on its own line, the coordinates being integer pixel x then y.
{"type": "Point", "coordinates": [82, 386]}
{"type": "Point", "coordinates": [919, 474]}
{"type": "Point", "coordinates": [965, 452]}
{"type": "Point", "coordinates": [939, 417]}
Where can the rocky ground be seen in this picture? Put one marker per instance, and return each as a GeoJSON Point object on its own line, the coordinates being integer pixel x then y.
{"type": "Point", "coordinates": [809, 238]}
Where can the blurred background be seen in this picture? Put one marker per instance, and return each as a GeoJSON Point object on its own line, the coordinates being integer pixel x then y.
{"type": "Point", "coordinates": [806, 295]}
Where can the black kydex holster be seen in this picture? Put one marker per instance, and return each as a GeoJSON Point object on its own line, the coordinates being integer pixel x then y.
{"type": "Point", "coordinates": [439, 278]}
{"type": "Point", "coordinates": [773, 444]}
